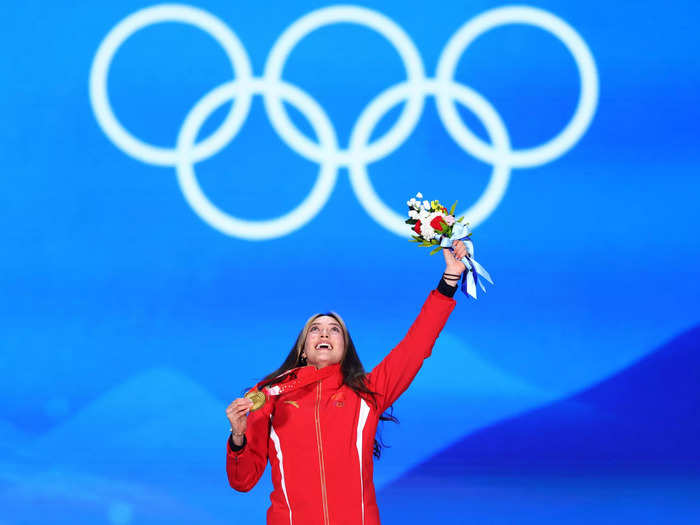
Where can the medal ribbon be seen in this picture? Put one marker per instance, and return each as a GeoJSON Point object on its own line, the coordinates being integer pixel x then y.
{"type": "Point", "coordinates": [292, 380]}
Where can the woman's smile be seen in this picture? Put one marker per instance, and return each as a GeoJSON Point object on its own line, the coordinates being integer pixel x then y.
{"type": "Point", "coordinates": [325, 342]}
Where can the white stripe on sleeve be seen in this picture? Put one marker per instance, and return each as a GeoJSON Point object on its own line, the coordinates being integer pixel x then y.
{"type": "Point", "coordinates": [276, 440]}
{"type": "Point", "coordinates": [364, 412]}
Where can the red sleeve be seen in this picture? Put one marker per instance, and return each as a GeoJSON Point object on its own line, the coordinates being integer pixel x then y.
{"type": "Point", "coordinates": [394, 374]}
{"type": "Point", "coordinates": [245, 466]}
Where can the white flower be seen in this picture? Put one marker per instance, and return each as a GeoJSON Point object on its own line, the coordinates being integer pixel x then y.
{"type": "Point", "coordinates": [450, 220]}
{"type": "Point", "coordinates": [426, 205]}
{"type": "Point", "coordinates": [413, 214]}
{"type": "Point", "coordinates": [423, 215]}
{"type": "Point", "coordinates": [427, 231]}
{"type": "Point", "coordinates": [413, 203]}
{"type": "Point", "coordinates": [419, 195]}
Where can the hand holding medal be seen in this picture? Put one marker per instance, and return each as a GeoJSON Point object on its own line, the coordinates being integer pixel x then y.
{"type": "Point", "coordinates": [435, 227]}
{"type": "Point", "coordinates": [237, 413]}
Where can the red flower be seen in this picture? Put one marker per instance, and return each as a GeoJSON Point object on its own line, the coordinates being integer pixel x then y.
{"type": "Point", "coordinates": [437, 223]}
{"type": "Point", "coordinates": [416, 227]}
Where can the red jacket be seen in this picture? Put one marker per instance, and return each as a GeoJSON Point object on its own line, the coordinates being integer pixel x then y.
{"type": "Point", "coordinates": [319, 439]}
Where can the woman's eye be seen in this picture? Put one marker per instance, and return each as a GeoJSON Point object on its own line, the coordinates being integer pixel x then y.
{"type": "Point", "coordinates": [314, 328]}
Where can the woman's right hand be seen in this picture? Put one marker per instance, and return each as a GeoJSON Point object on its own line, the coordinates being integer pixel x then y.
{"type": "Point", "coordinates": [237, 415]}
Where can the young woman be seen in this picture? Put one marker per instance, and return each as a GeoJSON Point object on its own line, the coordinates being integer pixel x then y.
{"type": "Point", "coordinates": [320, 414]}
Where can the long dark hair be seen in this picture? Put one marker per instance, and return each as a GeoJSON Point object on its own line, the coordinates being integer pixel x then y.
{"type": "Point", "coordinates": [354, 375]}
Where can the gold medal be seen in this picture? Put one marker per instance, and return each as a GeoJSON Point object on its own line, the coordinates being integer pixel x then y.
{"type": "Point", "coordinates": [257, 397]}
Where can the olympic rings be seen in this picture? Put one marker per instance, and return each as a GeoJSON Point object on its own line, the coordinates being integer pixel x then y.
{"type": "Point", "coordinates": [208, 23]}
{"type": "Point", "coordinates": [327, 152]}
{"type": "Point", "coordinates": [328, 16]}
{"type": "Point", "coordinates": [255, 230]}
{"type": "Point", "coordinates": [588, 97]}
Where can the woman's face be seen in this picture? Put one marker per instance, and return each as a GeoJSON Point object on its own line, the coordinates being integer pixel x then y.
{"type": "Point", "coordinates": [325, 342]}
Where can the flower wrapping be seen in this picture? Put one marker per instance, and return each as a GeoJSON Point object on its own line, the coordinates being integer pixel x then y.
{"type": "Point", "coordinates": [434, 226]}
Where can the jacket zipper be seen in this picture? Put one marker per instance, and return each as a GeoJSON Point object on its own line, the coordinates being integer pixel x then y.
{"type": "Point", "coordinates": [322, 468]}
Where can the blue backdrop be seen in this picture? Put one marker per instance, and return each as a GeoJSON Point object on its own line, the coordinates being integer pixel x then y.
{"type": "Point", "coordinates": [162, 248]}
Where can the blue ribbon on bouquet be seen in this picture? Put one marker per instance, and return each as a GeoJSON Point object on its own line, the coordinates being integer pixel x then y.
{"type": "Point", "coordinates": [470, 277]}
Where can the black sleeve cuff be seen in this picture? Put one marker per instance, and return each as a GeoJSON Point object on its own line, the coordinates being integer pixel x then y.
{"type": "Point", "coordinates": [445, 289]}
{"type": "Point", "coordinates": [234, 447]}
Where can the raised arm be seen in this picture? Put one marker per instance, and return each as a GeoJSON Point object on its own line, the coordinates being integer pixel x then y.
{"type": "Point", "coordinates": [394, 374]}
{"type": "Point", "coordinates": [246, 448]}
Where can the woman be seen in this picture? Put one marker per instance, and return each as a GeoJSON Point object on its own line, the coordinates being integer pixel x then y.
{"type": "Point", "coordinates": [320, 416]}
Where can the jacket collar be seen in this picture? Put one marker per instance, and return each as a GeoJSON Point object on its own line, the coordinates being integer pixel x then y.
{"type": "Point", "coordinates": [331, 375]}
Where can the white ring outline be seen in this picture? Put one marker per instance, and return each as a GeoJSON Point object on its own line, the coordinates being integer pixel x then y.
{"type": "Point", "coordinates": [141, 19]}
{"type": "Point", "coordinates": [588, 97]}
{"type": "Point", "coordinates": [495, 189]}
{"type": "Point", "coordinates": [263, 229]}
{"type": "Point", "coordinates": [290, 37]}
{"type": "Point", "coordinates": [359, 153]}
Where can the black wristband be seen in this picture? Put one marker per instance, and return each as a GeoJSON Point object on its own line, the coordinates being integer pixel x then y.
{"type": "Point", "coordinates": [233, 446]}
{"type": "Point", "coordinates": [445, 289]}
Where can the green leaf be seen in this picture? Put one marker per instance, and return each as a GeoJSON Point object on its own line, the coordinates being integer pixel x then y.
{"type": "Point", "coordinates": [435, 250]}
{"type": "Point", "coordinates": [460, 219]}
{"type": "Point", "coordinates": [412, 240]}
{"type": "Point", "coordinates": [452, 209]}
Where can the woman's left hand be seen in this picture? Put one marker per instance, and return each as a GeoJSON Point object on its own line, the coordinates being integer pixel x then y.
{"type": "Point", "coordinates": [452, 260]}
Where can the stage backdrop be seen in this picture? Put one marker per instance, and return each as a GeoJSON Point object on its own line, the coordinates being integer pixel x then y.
{"type": "Point", "coordinates": [184, 184]}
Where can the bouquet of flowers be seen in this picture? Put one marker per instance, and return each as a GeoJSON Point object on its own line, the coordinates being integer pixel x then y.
{"type": "Point", "coordinates": [435, 227]}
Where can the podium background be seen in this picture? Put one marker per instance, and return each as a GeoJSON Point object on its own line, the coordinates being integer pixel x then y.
{"type": "Point", "coordinates": [564, 394]}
